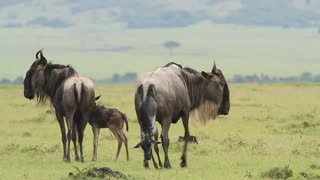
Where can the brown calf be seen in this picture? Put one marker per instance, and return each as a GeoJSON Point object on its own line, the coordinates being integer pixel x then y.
{"type": "Point", "coordinates": [102, 117]}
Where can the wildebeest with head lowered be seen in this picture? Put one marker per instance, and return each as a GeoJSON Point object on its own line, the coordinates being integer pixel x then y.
{"type": "Point", "coordinates": [172, 92]}
{"type": "Point", "coordinates": [69, 94]}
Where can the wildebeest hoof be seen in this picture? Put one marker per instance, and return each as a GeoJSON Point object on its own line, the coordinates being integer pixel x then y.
{"type": "Point", "coordinates": [167, 165]}
{"type": "Point", "coordinates": [156, 165]}
{"type": "Point", "coordinates": [160, 165]}
{"type": "Point", "coordinates": [146, 164]}
{"type": "Point", "coordinates": [183, 163]}
{"type": "Point", "coordinates": [77, 158]}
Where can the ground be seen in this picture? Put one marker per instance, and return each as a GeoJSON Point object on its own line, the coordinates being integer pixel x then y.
{"type": "Point", "coordinates": [270, 126]}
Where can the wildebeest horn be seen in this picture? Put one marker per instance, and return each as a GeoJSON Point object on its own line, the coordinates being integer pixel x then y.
{"type": "Point", "coordinates": [43, 60]}
{"type": "Point", "coordinates": [37, 54]}
{"type": "Point", "coordinates": [155, 142]}
{"type": "Point", "coordinates": [98, 97]}
{"type": "Point", "coordinates": [214, 67]}
{"type": "Point", "coordinates": [138, 145]}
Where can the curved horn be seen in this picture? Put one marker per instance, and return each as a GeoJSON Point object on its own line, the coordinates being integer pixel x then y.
{"type": "Point", "coordinates": [43, 60]}
{"type": "Point", "coordinates": [214, 67]}
{"type": "Point", "coordinates": [37, 54]}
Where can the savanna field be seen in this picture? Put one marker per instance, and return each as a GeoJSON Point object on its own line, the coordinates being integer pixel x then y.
{"type": "Point", "coordinates": [269, 126]}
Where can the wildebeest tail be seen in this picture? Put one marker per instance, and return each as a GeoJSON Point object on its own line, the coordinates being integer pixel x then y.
{"type": "Point", "coordinates": [148, 109]}
{"type": "Point", "coordinates": [78, 88]}
{"type": "Point", "coordinates": [151, 91]}
{"type": "Point", "coordinates": [124, 118]}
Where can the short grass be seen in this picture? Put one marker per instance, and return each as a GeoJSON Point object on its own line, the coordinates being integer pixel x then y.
{"type": "Point", "coordinates": [271, 129]}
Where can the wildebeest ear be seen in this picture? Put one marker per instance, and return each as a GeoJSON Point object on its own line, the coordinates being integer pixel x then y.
{"type": "Point", "coordinates": [96, 98]}
{"type": "Point", "coordinates": [155, 142]}
{"type": "Point", "coordinates": [206, 75]}
{"type": "Point", "coordinates": [138, 145]}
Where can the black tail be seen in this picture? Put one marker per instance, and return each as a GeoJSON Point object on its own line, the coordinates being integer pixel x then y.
{"type": "Point", "coordinates": [151, 91]}
{"type": "Point", "coordinates": [148, 109]}
{"type": "Point", "coordinates": [75, 92]}
{"type": "Point", "coordinates": [124, 118]}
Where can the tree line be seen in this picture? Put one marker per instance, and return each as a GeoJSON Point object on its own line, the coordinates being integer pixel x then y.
{"type": "Point", "coordinates": [263, 78]}
{"type": "Point", "coordinates": [131, 77]}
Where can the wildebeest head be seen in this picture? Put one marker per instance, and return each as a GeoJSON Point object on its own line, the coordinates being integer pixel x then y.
{"type": "Point", "coordinates": [145, 144]}
{"type": "Point", "coordinates": [217, 78]}
{"type": "Point", "coordinates": [35, 78]}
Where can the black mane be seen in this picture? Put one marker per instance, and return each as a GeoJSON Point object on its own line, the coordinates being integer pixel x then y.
{"type": "Point", "coordinates": [190, 70]}
{"type": "Point", "coordinates": [173, 63]}
{"type": "Point", "coordinates": [50, 67]}
{"type": "Point", "coordinates": [54, 80]}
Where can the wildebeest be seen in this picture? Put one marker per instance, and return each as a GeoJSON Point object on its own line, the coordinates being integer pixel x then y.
{"type": "Point", "coordinates": [102, 117]}
{"type": "Point", "coordinates": [69, 94]}
{"type": "Point", "coordinates": [172, 92]}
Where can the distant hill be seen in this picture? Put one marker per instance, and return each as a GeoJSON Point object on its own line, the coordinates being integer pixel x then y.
{"type": "Point", "coordinates": [158, 13]}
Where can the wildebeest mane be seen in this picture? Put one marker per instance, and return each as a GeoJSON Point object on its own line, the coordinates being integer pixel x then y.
{"type": "Point", "coordinates": [53, 80]}
{"type": "Point", "coordinates": [202, 109]}
{"type": "Point", "coordinates": [190, 70]}
{"type": "Point", "coordinates": [173, 63]}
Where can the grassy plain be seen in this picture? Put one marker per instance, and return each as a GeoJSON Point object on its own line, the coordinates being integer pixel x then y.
{"type": "Point", "coordinates": [270, 125]}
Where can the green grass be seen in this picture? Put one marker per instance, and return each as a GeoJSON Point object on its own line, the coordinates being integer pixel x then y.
{"type": "Point", "coordinates": [269, 127]}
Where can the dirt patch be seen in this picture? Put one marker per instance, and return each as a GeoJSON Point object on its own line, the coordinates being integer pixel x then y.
{"type": "Point", "coordinates": [97, 173]}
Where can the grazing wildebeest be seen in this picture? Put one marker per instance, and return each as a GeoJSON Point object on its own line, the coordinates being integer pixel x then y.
{"type": "Point", "coordinates": [172, 92]}
{"type": "Point", "coordinates": [102, 117]}
{"type": "Point", "coordinates": [69, 94]}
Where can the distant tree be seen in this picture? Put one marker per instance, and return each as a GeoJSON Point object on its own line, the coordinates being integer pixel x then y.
{"type": "Point", "coordinates": [319, 30]}
{"type": "Point", "coordinates": [238, 78]}
{"type": "Point", "coordinates": [18, 80]}
{"type": "Point", "coordinates": [316, 78]}
{"type": "Point", "coordinates": [171, 45]}
{"type": "Point", "coordinates": [306, 77]}
{"type": "Point", "coordinates": [5, 81]}
{"type": "Point", "coordinates": [115, 77]}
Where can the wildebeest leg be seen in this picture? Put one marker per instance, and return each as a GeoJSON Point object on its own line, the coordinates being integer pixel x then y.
{"type": "Point", "coordinates": [185, 121]}
{"type": "Point", "coordinates": [154, 161]}
{"type": "Point", "coordinates": [95, 142]}
{"type": "Point", "coordinates": [125, 141]}
{"type": "Point", "coordinates": [156, 149]}
{"type": "Point", "coordinates": [81, 126]}
{"type": "Point", "coordinates": [63, 133]}
{"type": "Point", "coordinates": [70, 124]}
{"type": "Point", "coordinates": [165, 141]}
{"type": "Point", "coordinates": [118, 137]}
{"type": "Point", "coordinates": [74, 140]}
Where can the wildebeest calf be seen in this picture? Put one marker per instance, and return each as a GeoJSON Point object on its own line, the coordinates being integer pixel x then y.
{"type": "Point", "coordinates": [102, 117]}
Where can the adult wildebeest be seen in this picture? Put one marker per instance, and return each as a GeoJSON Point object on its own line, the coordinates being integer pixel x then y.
{"type": "Point", "coordinates": [171, 92]}
{"type": "Point", "coordinates": [69, 94]}
{"type": "Point", "coordinates": [102, 117]}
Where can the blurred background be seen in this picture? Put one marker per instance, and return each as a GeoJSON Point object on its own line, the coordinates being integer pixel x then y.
{"type": "Point", "coordinates": [112, 41]}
